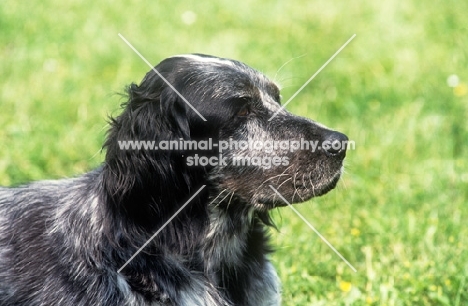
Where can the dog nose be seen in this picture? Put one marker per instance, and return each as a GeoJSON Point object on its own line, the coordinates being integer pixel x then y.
{"type": "Point", "coordinates": [335, 144]}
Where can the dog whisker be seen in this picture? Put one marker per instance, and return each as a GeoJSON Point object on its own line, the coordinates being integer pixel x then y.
{"type": "Point", "coordinates": [276, 176]}
{"type": "Point", "coordinates": [311, 184]}
{"type": "Point", "coordinates": [287, 169]}
{"type": "Point", "coordinates": [219, 203]}
{"type": "Point", "coordinates": [273, 177]}
{"type": "Point", "coordinates": [217, 196]}
{"type": "Point", "coordinates": [284, 65]}
{"type": "Point", "coordinates": [229, 202]}
{"type": "Point", "coordinates": [279, 186]}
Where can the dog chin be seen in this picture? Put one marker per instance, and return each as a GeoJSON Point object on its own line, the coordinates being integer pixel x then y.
{"type": "Point", "coordinates": [300, 195]}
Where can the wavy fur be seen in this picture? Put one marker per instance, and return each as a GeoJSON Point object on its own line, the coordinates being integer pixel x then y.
{"type": "Point", "coordinates": [62, 242]}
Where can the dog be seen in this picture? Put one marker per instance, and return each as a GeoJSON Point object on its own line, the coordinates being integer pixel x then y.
{"type": "Point", "coordinates": [70, 241]}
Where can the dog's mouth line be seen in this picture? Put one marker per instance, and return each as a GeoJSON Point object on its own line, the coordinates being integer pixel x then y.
{"type": "Point", "coordinates": [307, 185]}
{"type": "Point", "coordinates": [316, 191]}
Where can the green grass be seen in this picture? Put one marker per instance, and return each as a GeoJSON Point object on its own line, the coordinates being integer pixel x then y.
{"type": "Point", "coordinates": [398, 215]}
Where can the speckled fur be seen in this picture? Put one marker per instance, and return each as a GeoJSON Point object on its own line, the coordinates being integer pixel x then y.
{"type": "Point", "coordinates": [62, 242]}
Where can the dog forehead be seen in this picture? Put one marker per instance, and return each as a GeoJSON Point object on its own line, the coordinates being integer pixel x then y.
{"type": "Point", "coordinates": [226, 65]}
{"type": "Point", "coordinates": [232, 72]}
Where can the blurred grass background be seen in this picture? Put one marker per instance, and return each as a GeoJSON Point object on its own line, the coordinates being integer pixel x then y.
{"type": "Point", "coordinates": [398, 215]}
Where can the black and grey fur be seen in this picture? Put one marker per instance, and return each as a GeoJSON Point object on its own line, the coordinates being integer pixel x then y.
{"type": "Point", "coordinates": [62, 242]}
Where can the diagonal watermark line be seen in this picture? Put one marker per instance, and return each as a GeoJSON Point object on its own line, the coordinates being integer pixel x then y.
{"type": "Point", "coordinates": [313, 228]}
{"type": "Point", "coordinates": [159, 74]}
{"type": "Point", "coordinates": [162, 227]}
{"type": "Point", "coordinates": [312, 77]}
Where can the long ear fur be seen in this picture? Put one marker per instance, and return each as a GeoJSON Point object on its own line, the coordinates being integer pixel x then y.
{"type": "Point", "coordinates": [153, 112]}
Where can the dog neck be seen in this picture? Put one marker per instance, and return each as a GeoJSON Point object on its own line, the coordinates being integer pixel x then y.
{"type": "Point", "coordinates": [235, 245]}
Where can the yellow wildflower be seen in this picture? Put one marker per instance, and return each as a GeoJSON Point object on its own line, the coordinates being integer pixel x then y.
{"type": "Point", "coordinates": [345, 286]}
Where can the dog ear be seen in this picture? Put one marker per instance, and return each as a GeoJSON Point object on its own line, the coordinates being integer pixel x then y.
{"type": "Point", "coordinates": [176, 111]}
{"type": "Point", "coordinates": [154, 103]}
{"type": "Point", "coordinates": [153, 113]}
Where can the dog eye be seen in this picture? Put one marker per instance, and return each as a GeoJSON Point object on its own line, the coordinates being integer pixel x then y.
{"type": "Point", "coordinates": [244, 111]}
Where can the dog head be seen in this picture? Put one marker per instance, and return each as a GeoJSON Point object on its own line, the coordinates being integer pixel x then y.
{"type": "Point", "coordinates": [241, 139]}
